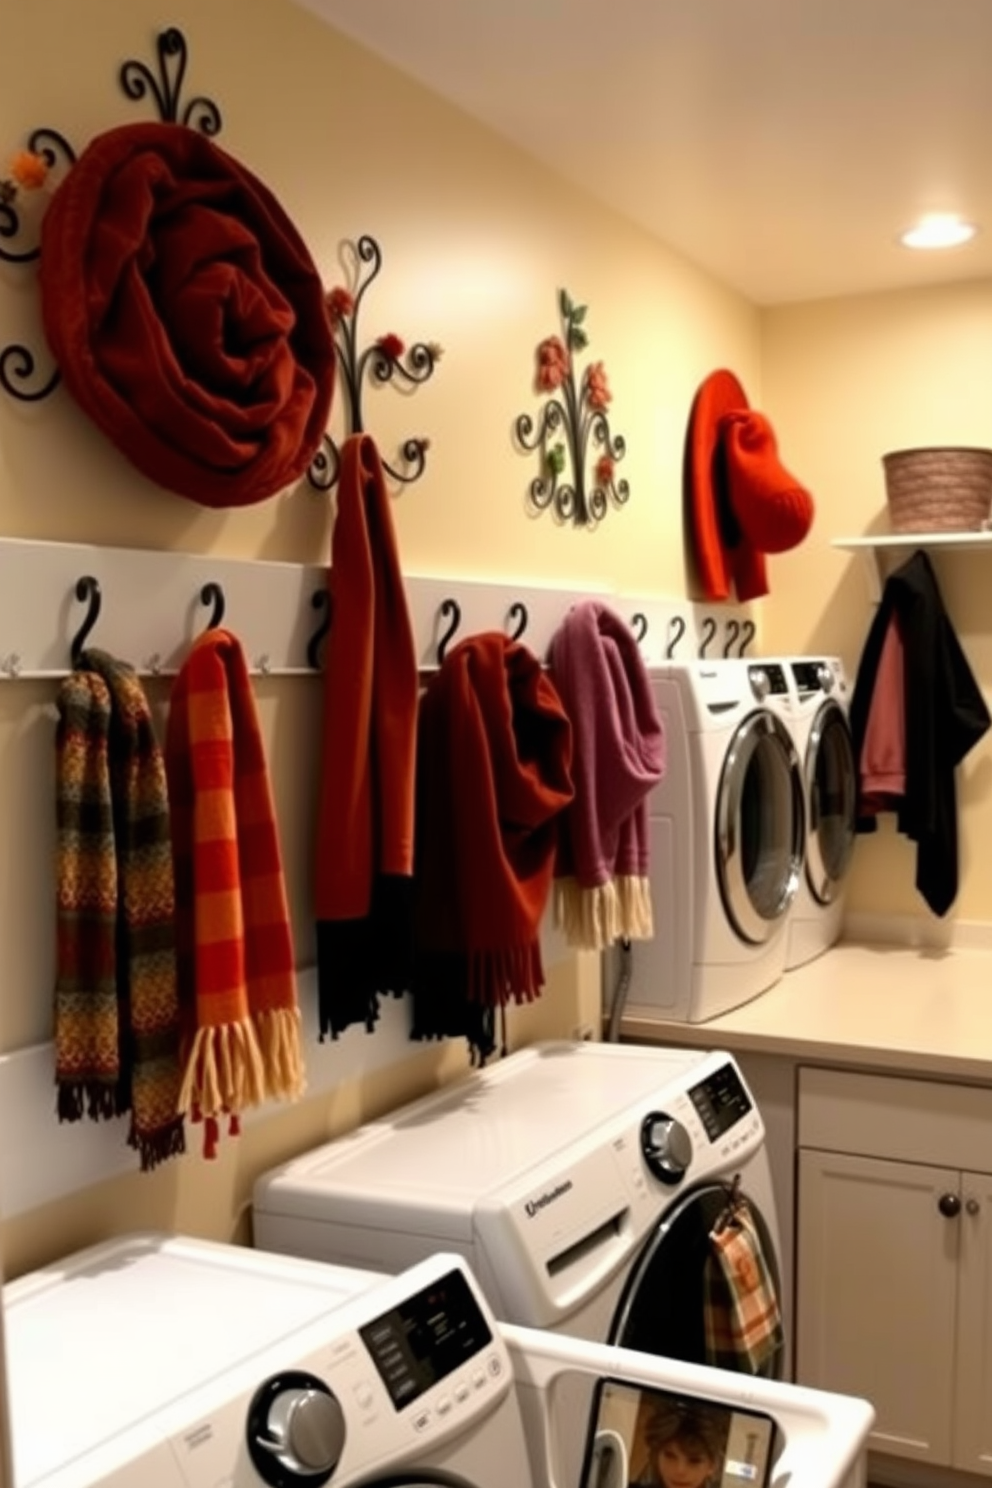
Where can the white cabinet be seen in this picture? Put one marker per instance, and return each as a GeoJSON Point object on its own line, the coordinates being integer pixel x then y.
{"type": "Point", "coordinates": [894, 1258]}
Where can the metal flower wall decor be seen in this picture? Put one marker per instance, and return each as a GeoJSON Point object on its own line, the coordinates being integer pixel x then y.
{"type": "Point", "coordinates": [387, 359]}
{"type": "Point", "coordinates": [573, 429]}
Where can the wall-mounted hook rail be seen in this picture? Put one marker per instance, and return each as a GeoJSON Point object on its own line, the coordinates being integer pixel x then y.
{"type": "Point", "coordinates": [707, 633]}
{"type": "Point", "coordinates": [449, 608]}
{"type": "Point", "coordinates": [518, 617]}
{"type": "Point", "coordinates": [319, 600]}
{"type": "Point", "coordinates": [88, 593]}
{"type": "Point", "coordinates": [213, 594]}
{"type": "Point", "coordinates": [676, 630]}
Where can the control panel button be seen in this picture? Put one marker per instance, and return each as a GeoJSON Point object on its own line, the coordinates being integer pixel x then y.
{"type": "Point", "coordinates": [295, 1430]}
{"type": "Point", "coordinates": [667, 1147]}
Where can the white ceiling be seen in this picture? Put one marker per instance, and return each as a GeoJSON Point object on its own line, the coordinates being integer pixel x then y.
{"type": "Point", "coordinates": [781, 144]}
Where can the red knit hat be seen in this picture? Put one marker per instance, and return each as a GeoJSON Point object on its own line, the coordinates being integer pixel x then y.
{"type": "Point", "coordinates": [740, 502]}
{"type": "Point", "coordinates": [186, 315]}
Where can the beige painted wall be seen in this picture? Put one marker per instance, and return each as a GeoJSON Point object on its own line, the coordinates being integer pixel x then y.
{"type": "Point", "coordinates": [477, 240]}
{"type": "Point", "coordinates": [845, 381]}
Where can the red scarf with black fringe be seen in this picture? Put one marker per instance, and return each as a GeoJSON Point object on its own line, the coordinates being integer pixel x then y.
{"type": "Point", "coordinates": [364, 870]}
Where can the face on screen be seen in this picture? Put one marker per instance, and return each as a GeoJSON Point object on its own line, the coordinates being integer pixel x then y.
{"type": "Point", "coordinates": [657, 1439]}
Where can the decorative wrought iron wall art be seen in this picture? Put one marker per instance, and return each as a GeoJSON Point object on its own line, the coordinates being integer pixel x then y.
{"type": "Point", "coordinates": [386, 359]}
{"type": "Point", "coordinates": [48, 150]}
{"type": "Point", "coordinates": [572, 426]}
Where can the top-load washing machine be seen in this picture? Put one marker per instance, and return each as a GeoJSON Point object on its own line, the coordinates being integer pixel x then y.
{"type": "Point", "coordinates": [727, 825]}
{"type": "Point", "coordinates": [178, 1364]}
{"type": "Point", "coordinates": [822, 736]}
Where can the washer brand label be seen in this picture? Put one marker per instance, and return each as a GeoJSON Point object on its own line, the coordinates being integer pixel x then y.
{"type": "Point", "coordinates": [534, 1206]}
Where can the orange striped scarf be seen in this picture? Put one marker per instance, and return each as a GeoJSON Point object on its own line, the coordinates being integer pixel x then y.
{"type": "Point", "coordinates": [237, 980]}
{"type": "Point", "coordinates": [116, 1013]}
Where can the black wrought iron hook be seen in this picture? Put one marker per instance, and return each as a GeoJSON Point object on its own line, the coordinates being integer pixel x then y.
{"type": "Point", "coordinates": [709, 631]}
{"type": "Point", "coordinates": [453, 608]}
{"type": "Point", "coordinates": [319, 600]}
{"type": "Point", "coordinates": [213, 594]}
{"type": "Point", "coordinates": [88, 593]}
{"type": "Point", "coordinates": [676, 630]}
{"type": "Point", "coordinates": [731, 630]}
{"type": "Point", "coordinates": [639, 625]}
{"type": "Point", "coordinates": [518, 616]}
{"type": "Point", "coordinates": [748, 632]}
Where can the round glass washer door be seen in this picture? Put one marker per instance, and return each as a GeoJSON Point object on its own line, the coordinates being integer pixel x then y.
{"type": "Point", "coordinates": [831, 793]}
{"type": "Point", "coordinates": [760, 826]}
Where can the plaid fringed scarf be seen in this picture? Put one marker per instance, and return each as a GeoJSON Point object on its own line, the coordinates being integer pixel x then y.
{"type": "Point", "coordinates": [602, 890]}
{"type": "Point", "coordinates": [116, 1010]}
{"type": "Point", "coordinates": [363, 892]}
{"type": "Point", "coordinates": [237, 979]}
{"type": "Point", "coordinates": [493, 760]}
{"type": "Point", "coordinates": [742, 1323]}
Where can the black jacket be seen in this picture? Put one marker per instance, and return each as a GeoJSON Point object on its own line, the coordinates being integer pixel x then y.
{"type": "Point", "coordinates": [945, 716]}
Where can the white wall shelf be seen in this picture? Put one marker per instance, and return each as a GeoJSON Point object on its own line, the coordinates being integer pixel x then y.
{"type": "Point", "coordinates": [874, 548]}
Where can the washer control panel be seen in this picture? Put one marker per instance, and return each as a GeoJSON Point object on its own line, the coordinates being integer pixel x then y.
{"type": "Point", "coordinates": [385, 1379]}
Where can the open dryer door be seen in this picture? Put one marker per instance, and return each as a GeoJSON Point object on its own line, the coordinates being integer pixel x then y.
{"type": "Point", "coordinates": [662, 1306]}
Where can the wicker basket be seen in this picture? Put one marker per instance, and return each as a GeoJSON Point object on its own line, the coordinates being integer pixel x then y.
{"type": "Point", "coordinates": [938, 490]}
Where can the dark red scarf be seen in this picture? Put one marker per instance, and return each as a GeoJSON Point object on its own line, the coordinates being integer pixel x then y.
{"type": "Point", "coordinates": [365, 823]}
{"type": "Point", "coordinates": [493, 774]}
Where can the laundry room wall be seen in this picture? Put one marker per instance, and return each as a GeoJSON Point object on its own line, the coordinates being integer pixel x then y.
{"type": "Point", "coordinates": [477, 239]}
{"type": "Point", "coordinates": [846, 381]}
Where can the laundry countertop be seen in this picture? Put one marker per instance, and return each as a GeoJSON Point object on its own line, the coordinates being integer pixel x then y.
{"type": "Point", "coordinates": [918, 1011]}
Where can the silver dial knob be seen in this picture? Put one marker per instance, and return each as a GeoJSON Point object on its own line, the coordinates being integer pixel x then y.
{"type": "Point", "coordinates": [296, 1430]}
{"type": "Point", "coordinates": [825, 677]}
{"type": "Point", "coordinates": [667, 1147]}
{"type": "Point", "coordinates": [760, 682]}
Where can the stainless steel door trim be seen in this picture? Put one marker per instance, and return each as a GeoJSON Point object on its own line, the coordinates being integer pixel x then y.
{"type": "Point", "coordinates": [825, 879]}
{"type": "Point", "coordinates": [760, 731]}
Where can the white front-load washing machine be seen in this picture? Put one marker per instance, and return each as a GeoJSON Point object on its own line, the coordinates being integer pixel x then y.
{"type": "Point", "coordinates": [580, 1180]}
{"type": "Point", "coordinates": [822, 737]}
{"type": "Point", "coordinates": [151, 1362]}
{"type": "Point", "coordinates": [727, 824]}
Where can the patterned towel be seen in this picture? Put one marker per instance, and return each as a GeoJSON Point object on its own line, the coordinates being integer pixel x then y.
{"type": "Point", "coordinates": [116, 1010]}
{"type": "Point", "coordinates": [237, 979]}
{"type": "Point", "coordinates": [742, 1323]}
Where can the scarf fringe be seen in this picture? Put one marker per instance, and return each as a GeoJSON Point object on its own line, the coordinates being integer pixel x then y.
{"type": "Point", "coordinates": [593, 919]}
{"type": "Point", "coordinates": [225, 1070]}
{"type": "Point", "coordinates": [278, 1032]}
{"type": "Point", "coordinates": [93, 1098]}
{"type": "Point", "coordinates": [156, 1147]}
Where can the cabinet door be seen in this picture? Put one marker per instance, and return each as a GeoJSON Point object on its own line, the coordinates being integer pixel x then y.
{"type": "Point", "coordinates": [973, 1410]}
{"type": "Point", "coordinates": [876, 1288]}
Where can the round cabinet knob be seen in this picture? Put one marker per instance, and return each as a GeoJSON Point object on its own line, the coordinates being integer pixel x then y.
{"type": "Point", "coordinates": [667, 1147]}
{"type": "Point", "coordinates": [973, 1206]}
{"type": "Point", "coordinates": [760, 682]}
{"type": "Point", "coordinates": [949, 1205]}
{"type": "Point", "coordinates": [296, 1430]}
{"type": "Point", "coordinates": [825, 677]}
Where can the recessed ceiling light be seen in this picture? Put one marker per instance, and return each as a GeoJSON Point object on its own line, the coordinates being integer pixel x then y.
{"type": "Point", "coordinates": [938, 230]}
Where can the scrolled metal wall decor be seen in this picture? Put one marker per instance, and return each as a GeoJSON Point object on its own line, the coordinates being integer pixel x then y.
{"type": "Point", "coordinates": [384, 360]}
{"type": "Point", "coordinates": [18, 367]}
{"type": "Point", "coordinates": [572, 425]}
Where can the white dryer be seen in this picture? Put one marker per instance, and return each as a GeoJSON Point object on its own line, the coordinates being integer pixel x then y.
{"type": "Point", "coordinates": [822, 737]}
{"type": "Point", "coordinates": [727, 826]}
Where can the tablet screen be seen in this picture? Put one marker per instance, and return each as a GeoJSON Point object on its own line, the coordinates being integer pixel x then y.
{"type": "Point", "coordinates": [654, 1438]}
